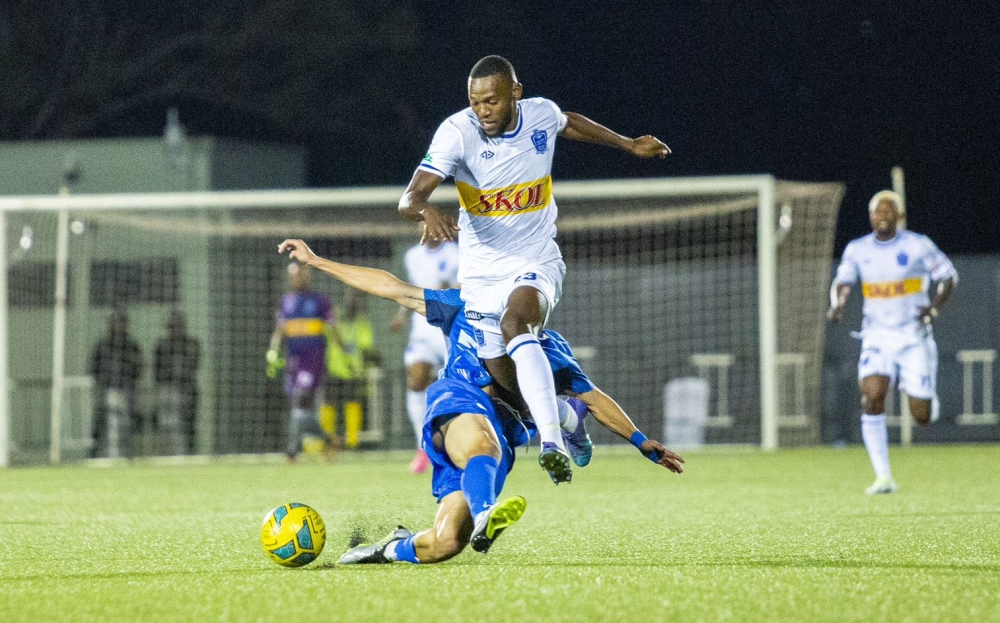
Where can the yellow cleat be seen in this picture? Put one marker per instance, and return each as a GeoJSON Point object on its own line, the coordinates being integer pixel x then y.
{"type": "Point", "coordinates": [494, 520]}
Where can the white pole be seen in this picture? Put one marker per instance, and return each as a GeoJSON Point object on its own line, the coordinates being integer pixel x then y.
{"type": "Point", "coordinates": [899, 186]}
{"type": "Point", "coordinates": [4, 372]}
{"type": "Point", "coordinates": [59, 337]}
{"type": "Point", "coordinates": [767, 295]}
{"type": "Point", "coordinates": [905, 419]}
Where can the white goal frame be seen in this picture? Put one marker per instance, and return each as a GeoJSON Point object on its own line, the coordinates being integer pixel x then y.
{"type": "Point", "coordinates": [768, 238]}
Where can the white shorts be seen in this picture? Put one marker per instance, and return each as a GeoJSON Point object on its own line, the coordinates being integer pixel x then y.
{"type": "Point", "coordinates": [485, 303]}
{"type": "Point", "coordinates": [909, 360]}
{"type": "Point", "coordinates": [426, 347]}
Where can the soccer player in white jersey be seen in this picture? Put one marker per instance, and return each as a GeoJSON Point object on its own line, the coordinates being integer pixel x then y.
{"type": "Point", "coordinates": [499, 150]}
{"type": "Point", "coordinates": [897, 269]}
{"type": "Point", "coordinates": [434, 266]}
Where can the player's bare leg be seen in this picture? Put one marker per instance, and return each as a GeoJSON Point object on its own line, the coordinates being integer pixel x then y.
{"type": "Point", "coordinates": [471, 443]}
{"type": "Point", "coordinates": [527, 309]}
{"type": "Point", "coordinates": [923, 410]}
{"type": "Point", "coordinates": [874, 431]}
{"type": "Point", "coordinates": [418, 379]}
{"type": "Point", "coordinates": [451, 531]}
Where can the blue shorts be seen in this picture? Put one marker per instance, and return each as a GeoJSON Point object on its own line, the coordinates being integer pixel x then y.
{"type": "Point", "coordinates": [449, 398]}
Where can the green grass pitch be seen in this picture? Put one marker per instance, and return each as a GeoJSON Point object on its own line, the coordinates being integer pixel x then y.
{"type": "Point", "coordinates": [741, 536]}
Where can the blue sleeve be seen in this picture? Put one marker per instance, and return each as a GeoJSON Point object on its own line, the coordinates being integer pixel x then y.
{"type": "Point", "coordinates": [443, 306]}
{"type": "Point", "coordinates": [566, 372]}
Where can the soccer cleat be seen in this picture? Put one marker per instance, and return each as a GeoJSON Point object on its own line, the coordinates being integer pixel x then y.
{"type": "Point", "coordinates": [494, 520]}
{"type": "Point", "coordinates": [881, 486]}
{"type": "Point", "coordinates": [556, 462]}
{"type": "Point", "coordinates": [420, 462]}
{"type": "Point", "coordinates": [375, 552]}
{"type": "Point", "coordinates": [580, 447]}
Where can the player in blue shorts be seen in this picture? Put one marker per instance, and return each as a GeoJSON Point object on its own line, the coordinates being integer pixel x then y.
{"type": "Point", "coordinates": [470, 444]}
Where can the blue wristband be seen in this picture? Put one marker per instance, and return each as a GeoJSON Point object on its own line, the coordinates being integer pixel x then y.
{"type": "Point", "coordinates": [637, 438]}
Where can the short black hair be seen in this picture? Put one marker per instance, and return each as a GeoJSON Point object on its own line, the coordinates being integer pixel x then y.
{"type": "Point", "coordinates": [493, 65]}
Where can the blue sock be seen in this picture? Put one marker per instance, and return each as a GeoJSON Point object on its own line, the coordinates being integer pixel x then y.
{"type": "Point", "coordinates": [478, 480]}
{"type": "Point", "coordinates": [405, 551]}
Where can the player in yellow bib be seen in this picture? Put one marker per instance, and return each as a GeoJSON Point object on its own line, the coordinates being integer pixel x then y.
{"type": "Point", "coordinates": [499, 151]}
{"type": "Point", "coordinates": [896, 268]}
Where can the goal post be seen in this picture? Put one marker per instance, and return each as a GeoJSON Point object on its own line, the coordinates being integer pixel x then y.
{"type": "Point", "coordinates": [720, 279]}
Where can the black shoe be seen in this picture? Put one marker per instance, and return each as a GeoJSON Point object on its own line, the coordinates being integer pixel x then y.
{"type": "Point", "coordinates": [375, 552]}
{"type": "Point", "coordinates": [494, 520]}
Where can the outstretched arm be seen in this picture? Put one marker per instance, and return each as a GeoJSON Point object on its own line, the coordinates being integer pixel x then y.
{"type": "Point", "coordinates": [580, 128]}
{"type": "Point", "coordinates": [613, 417]}
{"type": "Point", "coordinates": [415, 205]}
{"type": "Point", "coordinates": [371, 280]}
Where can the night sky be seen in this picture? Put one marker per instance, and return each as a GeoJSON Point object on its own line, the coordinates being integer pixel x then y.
{"type": "Point", "coordinates": [806, 90]}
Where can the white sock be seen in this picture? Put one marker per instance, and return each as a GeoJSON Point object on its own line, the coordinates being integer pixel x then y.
{"type": "Point", "coordinates": [568, 419]}
{"type": "Point", "coordinates": [534, 378]}
{"type": "Point", "coordinates": [416, 405]}
{"type": "Point", "coordinates": [875, 432]}
{"type": "Point", "coordinates": [390, 551]}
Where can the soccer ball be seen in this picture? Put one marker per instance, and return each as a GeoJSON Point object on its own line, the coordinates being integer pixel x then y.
{"type": "Point", "coordinates": [293, 535]}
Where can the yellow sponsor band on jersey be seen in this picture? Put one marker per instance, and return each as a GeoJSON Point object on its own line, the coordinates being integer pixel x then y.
{"type": "Point", "coordinates": [509, 201]}
{"type": "Point", "coordinates": [893, 289]}
{"type": "Point", "coordinates": [303, 327]}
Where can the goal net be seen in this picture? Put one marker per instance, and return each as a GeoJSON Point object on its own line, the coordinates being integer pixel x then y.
{"type": "Point", "coordinates": [698, 304]}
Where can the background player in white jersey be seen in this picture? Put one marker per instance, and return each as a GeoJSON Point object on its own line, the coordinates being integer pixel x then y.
{"type": "Point", "coordinates": [897, 269]}
{"type": "Point", "coordinates": [434, 266]}
{"type": "Point", "coordinates": [499, 150]}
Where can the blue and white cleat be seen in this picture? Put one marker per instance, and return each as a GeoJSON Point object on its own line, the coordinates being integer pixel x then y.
{"type": "Point", "coordinates": [556, 462]}
{"type": "Point", "coordinates": [375, 552]}
{"type": "Point", "coordinates": [580, 447]}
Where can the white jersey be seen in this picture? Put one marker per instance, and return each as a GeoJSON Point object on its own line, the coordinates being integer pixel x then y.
{"type": "Point", "coordinates": [508, 215]}
{"type": "Point", "coordinates": [433, 269]}
{"type": "Point", "coordinates": [895, 276]}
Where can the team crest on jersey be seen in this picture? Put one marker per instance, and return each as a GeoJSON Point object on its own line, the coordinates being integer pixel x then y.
{"type": "Point", "coordinates": [540, 139]}
{"type": "Point", "coordinates": [486, 155]}
{"type": "Point", "coordinates": [902, 258]}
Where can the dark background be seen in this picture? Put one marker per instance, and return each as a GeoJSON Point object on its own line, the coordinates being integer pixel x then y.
{"type": "Point", "coordinates": [805, 90]}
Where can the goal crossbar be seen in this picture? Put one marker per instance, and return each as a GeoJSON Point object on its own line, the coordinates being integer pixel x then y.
{"type": "Point", "coordinates": [374, 195]}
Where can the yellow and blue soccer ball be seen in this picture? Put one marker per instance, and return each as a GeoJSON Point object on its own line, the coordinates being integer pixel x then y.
{"type": "Point", "coordinates": [293, 535]}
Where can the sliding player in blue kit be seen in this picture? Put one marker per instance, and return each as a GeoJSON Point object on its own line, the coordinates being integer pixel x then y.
{"type": "Point", "coordinates": [468, 433]}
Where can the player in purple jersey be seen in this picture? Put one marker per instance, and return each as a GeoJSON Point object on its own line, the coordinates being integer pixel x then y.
{"type": "Point", "coordinates": [300, 322]}
{"type": "Point", "coordinates": [469, 435]}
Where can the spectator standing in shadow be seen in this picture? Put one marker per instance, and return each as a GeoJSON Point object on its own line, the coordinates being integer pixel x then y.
{"type": "Point", "coordinates": [175, 371]}
{"type": "Point", "coordinates": [116, 365]}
